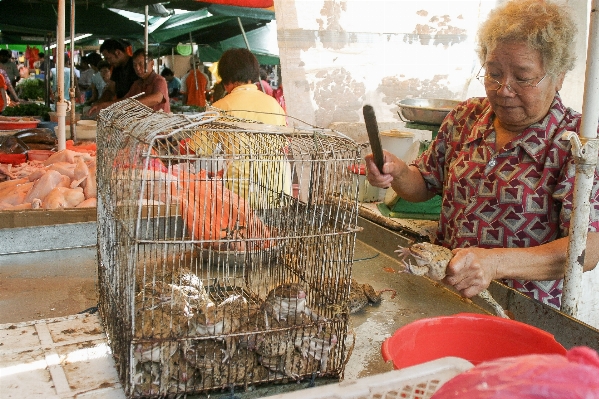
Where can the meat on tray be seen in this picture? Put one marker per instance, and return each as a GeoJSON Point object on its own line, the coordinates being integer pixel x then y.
{"type": "Point", "coordinates": [67, 179]}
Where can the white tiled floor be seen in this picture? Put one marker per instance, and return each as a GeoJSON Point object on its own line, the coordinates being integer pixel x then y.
{"type": "Point", "coordinates": [66, 357]}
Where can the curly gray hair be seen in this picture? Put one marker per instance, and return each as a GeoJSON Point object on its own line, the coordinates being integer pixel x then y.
{"type": "Point", "coordinates": [543, 25]}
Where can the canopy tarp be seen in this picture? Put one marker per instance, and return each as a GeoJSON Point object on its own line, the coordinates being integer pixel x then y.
{"type": "Point", "coordinates": [211, 25]}
{"type": "Point", "coordinates": [211, 54]}
{"type": "Point", "coordinates": [214, 28]}
{"type": "Point", "coordinates": [262, 42]}
{"type": "Point", "coordinates": [28, 22]}
{"type": "Point", "coordinates": [243, 3]}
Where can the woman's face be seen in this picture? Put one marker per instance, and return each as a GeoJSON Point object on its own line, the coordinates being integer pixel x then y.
{"type": "Point", "coordinates": [512, 62]}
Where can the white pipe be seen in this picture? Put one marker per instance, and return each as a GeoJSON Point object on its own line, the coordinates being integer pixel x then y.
{"type": "Point", "coordinates": [72, 91]}
{"type": "Point", "coordinates": [585, 156]}
{"type": "Point", "coordinates": [590, 104]}
{"type": "Point", "coordinates": [61, 105]}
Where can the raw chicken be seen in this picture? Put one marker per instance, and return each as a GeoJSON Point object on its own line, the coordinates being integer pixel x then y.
{"type": "Point", "coordinates": [5, 169]}
{"type": "Point", "coordinates": [67, 156]}
{"type": "Point", "coordinates": [80, 173]}
{"type": "Point", "coordinates": [47, 183]}
{"type": "Point", "coordinates": [90, 188]}
{"type": "Point", "coordinates": [14, 192]}
{"type": "Point", "coordinates": [26, 169]}
{"type": "Point", "coordinates": [31, 182]}
{"type": "Point", "coordinates": [63, 197]}
{"type": "Point", "coordinates": [7, 207]}
{"type": "Point", "coordinates": [64, 168]}
{"type": "Point", "coordinates": [36, 174]}
{"type": "Point", "coordinates": [88, 203]}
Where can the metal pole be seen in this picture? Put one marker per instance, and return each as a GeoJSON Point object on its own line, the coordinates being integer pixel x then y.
{"type": "Point", "coordinates": [586, 160]}
{"type": "Point", "coordinates": [158, 63]}
{"type": "Point", "coordinates": [61, 105]}
{"type": "Point", "coordinates": [146, 45]}
{"type": "Point", "coordinates": [72, 90]}
{"type": "Point", "coordinates": [193, 62]}
{"type": "Point", "coordinates": [47, 65]}
{"type": "Point", "coordinates": [247, 44]}
{"type": "Point", "coordinates": [173, 58]}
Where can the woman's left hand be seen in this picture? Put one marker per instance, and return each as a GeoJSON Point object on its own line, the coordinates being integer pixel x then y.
{"type": "Point", "coordinates": [471, 270]}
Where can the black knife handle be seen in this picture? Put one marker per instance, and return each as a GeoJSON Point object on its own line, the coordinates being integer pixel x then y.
{"type": "Point", "coordinates": [373, 136]}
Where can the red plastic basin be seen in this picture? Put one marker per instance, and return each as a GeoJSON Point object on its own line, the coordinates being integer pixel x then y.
{"type": "Point", "coordinates": [17, 124]}
{"type": "Point", "coordinates": [13, 159]}
{"type": "Point", "coordinates": [474, 337]}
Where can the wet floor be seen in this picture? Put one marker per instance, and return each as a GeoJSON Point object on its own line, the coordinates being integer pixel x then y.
{"type": "Point", "coordinates": [47, 284]}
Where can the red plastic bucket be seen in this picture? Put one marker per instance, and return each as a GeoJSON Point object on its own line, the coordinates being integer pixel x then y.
{"type": "Point", "coordinates": [474, 337]}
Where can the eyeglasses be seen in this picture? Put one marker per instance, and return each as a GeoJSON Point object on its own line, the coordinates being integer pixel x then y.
{"type": "Point", "coordinates": [520, 86]}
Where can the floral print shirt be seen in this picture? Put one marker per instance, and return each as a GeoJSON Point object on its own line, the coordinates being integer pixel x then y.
{"type": "Point", "coordinates": [516, 196]}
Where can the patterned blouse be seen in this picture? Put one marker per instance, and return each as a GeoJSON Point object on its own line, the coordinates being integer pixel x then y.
{"type": "Point", "coordinates": [519, 196]}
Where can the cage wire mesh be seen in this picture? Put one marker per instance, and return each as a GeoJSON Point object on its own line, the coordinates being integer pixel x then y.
{"type": "Point", "coordinates": [225, 249]}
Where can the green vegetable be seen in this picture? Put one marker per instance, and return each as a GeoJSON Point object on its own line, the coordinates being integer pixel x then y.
{"type": "Point", "coordinates": [31, 89]}
{"type": "Point", "coordinates": [31, 109]}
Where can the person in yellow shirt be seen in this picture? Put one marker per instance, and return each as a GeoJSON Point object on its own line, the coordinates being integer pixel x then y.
{"type": "Point", "coordinates": [239, 71]}
{"type": "Point", "coordinates": [258, 169]}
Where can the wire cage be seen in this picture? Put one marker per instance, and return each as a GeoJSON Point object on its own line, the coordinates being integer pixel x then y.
{"type": "Point", "coordinates": [225, 250]}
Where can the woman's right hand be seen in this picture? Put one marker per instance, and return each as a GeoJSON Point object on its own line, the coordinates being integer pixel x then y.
{"type": "Point", "coordinates": [391, 168]}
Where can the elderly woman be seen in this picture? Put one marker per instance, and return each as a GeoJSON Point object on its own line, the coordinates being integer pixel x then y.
{"type": "Point", "coordinates": [501, 164]}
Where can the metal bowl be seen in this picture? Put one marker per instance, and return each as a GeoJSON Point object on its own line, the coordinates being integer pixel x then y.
{"type": "Point", "coordinates": [422, 110]}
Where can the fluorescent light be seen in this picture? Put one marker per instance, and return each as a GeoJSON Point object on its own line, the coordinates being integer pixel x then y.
{"type": "Point", "coordinates": [76, 38]}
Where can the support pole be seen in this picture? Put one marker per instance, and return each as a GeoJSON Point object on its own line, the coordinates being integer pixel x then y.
{"type": "Point", "coordinates": [72, 89]}
{"type": "Point", "coordinates": [146, 36]}
{"type": "Point", "coordinates": [193, 62]}
{"type": "Point", "coordinates": [247, 45]}
{"type": "Point", "coordinates": [61, 104]}
{"type": "Point", "coordinates": [586, 160]}
{"type": "Point", "coordinates": [47, 82]}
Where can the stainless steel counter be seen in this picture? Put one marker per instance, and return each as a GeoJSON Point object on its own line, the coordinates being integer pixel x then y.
{"type": "Point", "coordinates": [374, 263]}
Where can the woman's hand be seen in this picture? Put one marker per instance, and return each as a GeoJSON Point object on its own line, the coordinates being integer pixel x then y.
{"type": "Point", "coordinates": [391, 168]}
{"type": "Point", "coordinates": [471, 270]}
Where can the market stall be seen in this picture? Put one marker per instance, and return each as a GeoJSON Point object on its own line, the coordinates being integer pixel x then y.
{"type": "Point", "coordinates": [144, 211]}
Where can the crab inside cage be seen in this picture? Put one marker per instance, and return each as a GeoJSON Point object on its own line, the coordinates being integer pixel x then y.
{"type": "Point", "coordinates": [225, 250]}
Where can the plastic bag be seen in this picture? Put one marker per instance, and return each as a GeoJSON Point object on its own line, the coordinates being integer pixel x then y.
{"type": "Point", "coordinates": [12, 145]}
{"type": "Point", "coordinates": [574, 376]}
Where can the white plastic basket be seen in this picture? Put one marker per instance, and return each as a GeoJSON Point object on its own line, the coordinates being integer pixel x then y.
{"type": "Point", "coordinates": [416, 382]}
